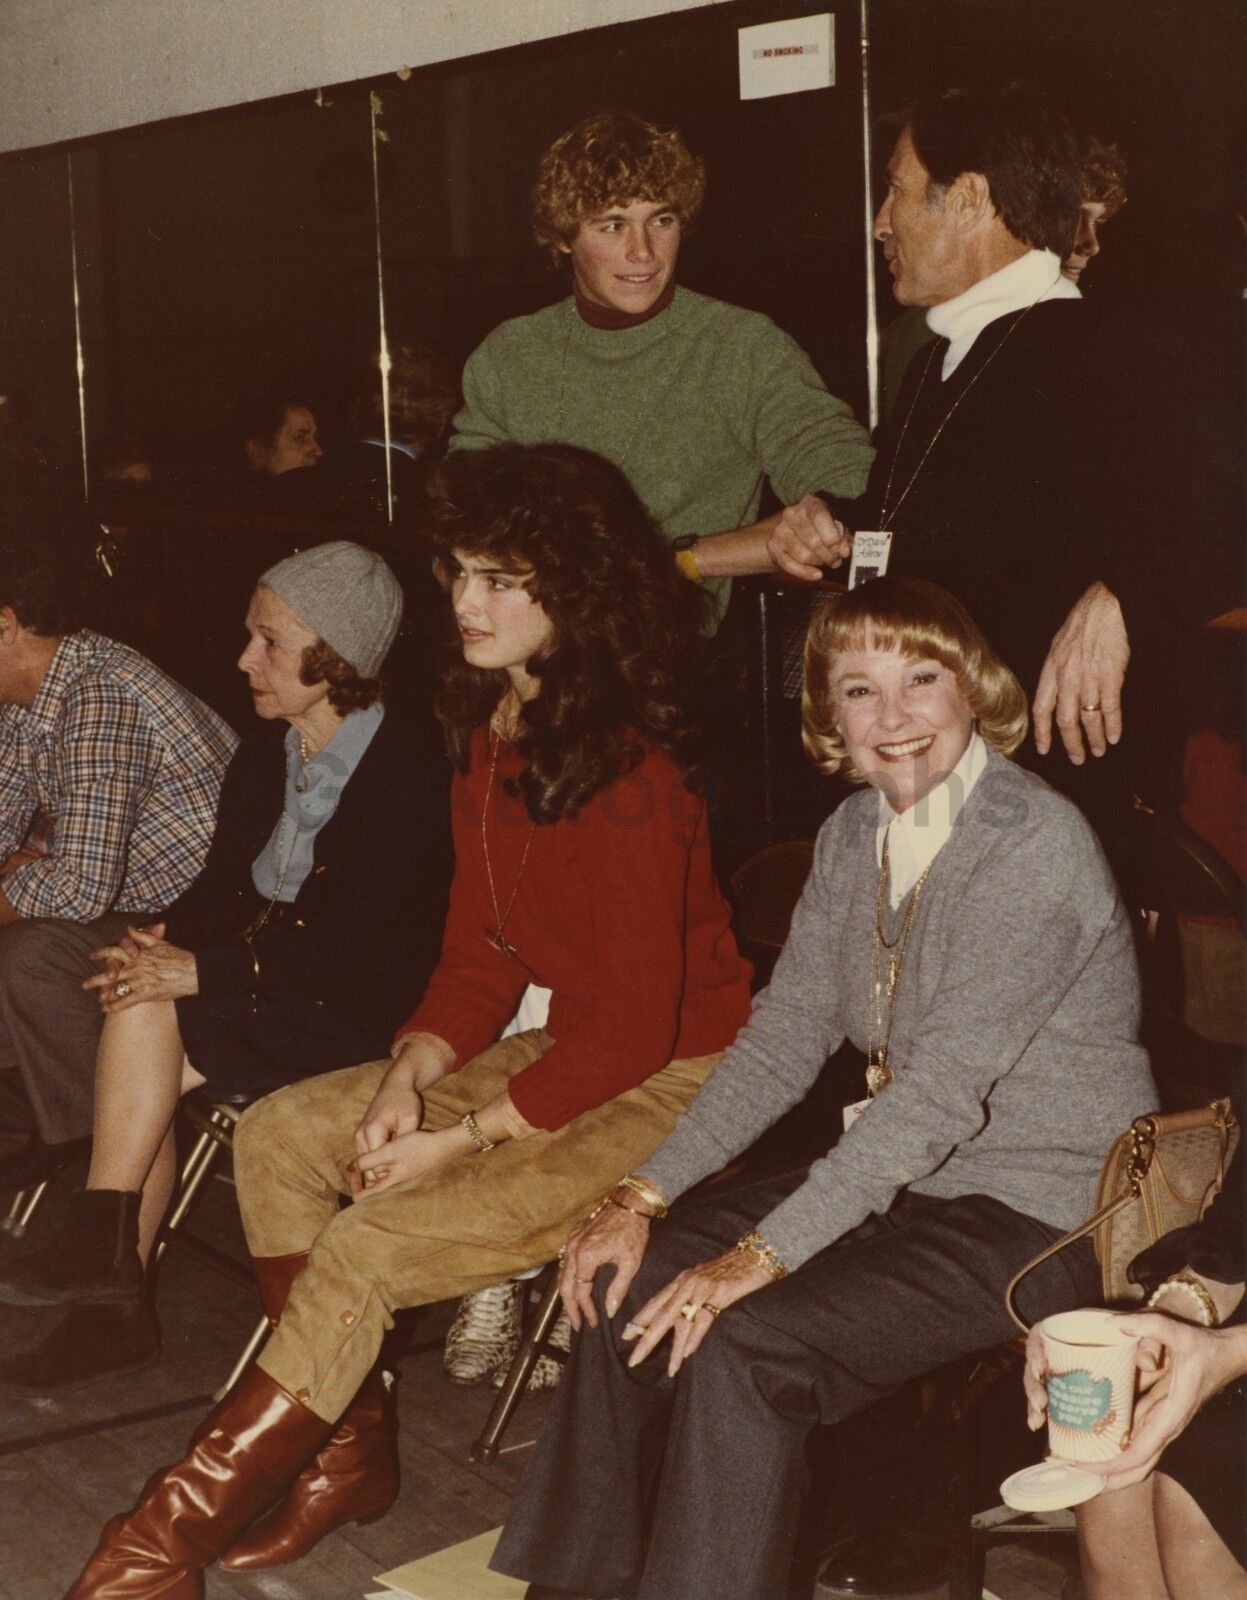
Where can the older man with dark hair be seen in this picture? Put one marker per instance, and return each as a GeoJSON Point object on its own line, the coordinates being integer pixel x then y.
{"type": "Point", "coordinates": [109, 776]}
{"type": "Point", "coordinates": [1019, 466]}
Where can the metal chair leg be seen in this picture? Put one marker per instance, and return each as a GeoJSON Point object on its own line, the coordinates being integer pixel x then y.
{"type": "Point", "coordinates": [485, 1448]}
{"type": "Point", "coordinates": [195, 1172]}
{"type": "Point", "coordinates": [22, 1209]}
{"type": "Point", "coordinates": [248, 1353]}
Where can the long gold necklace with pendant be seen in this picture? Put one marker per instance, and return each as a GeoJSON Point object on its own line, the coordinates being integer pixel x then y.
{"type": "Point", "coordinates": [495, 935]}
{"type": "Point", "coordinates": [886, 961]}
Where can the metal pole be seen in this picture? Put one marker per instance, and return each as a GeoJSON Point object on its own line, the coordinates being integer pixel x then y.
{"type": "Point", "coordinates": [383, 343]}
{"type": "Point", "coordinates": [79, 357]}
{"type": "Point", "coordinates": [872, 303]}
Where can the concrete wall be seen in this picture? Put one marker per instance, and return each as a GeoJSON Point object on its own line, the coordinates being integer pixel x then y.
{"type": "Point", "coordinates": [70, 68]}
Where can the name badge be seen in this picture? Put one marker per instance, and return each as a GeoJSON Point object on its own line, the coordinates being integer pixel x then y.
{"type": "Point", "coordinates": [870, 557]}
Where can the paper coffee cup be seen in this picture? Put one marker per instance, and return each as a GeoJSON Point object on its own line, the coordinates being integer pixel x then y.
{"type": "Point", "coordinates": [1091, 1376]}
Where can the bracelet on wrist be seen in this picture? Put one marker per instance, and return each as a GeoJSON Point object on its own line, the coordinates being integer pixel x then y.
{"type": "Point", "coordinates": [1186, 1284]}
{"type": "Point", "coordinates": [622, 1205]}
{"type": "Point", "coordinates": [754, 1244]}
{"type": "Point", "coordinates": [645, 1191]}
{"type": "Point", "coordinates": [473, 1130]}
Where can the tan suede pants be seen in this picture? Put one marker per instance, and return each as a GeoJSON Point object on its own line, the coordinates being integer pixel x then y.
{"type": "Point", "coordinates": [474, 1222]}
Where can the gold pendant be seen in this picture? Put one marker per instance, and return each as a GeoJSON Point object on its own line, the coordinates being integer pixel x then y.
{"type": "Point", "coordinates": [878, 1077]}
{"type": "Point", "coordinates": [499, 943]}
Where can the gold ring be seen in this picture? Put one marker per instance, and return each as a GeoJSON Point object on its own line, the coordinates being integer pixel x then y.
{"type": "Point", "coordinates": [689, 1311]}
{"type": "Point", "coordinates": [712, 1309]}
{"type": "Point", "coordinates": [1090, 709]}
{"type": "Point", "coordinates": [121, 990]}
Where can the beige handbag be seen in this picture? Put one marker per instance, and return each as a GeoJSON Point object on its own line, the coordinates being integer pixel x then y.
{"type": "Point", "coordinates": [1162, 1173]}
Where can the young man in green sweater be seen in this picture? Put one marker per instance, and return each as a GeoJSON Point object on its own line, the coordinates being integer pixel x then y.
{"type": "Point", "coordinates": [695, 400]}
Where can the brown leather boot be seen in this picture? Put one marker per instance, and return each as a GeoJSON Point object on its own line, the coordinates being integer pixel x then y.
{"type": "Point", "coordinates": [274, 1276]}
{"type": "Point", "coordinates": [254, 1441]}
{"type": "Point", "coordinates": [354, 1478]}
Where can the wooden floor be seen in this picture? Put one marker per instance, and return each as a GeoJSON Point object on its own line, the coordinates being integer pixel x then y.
{"type": "Point", "coordinates": [70, 1462]}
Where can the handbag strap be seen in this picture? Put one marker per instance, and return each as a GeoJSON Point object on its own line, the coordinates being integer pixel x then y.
{"type": "Point", "coordinates": [1091, 1224]}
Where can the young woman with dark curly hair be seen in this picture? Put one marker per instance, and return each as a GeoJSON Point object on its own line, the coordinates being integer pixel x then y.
{"type": "Point", "coordinates": [582, 864]}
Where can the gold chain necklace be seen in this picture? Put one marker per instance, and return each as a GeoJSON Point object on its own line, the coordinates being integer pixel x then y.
{"type": "Point", "coordinates": [257, 925]}
{"type": "Point", "coordinates": [495, 936]}
{"type": "Point", "coordinates": [878, 1073]}
{"type": "Point", "coordinates": [885, 516]}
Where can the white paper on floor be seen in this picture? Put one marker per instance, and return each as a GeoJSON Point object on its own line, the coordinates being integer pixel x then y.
{"type": "Point", "coordinates": [459, 1573]}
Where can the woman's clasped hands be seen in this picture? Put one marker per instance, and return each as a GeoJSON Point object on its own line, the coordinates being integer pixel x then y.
{"type": "Point", "coordinates": [391, 1146]}
{"type": "Point", "coordinates": [143, 966]}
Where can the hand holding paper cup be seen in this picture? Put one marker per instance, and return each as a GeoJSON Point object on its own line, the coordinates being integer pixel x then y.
{"type": "Point", "coordinates": [1091, 1366]}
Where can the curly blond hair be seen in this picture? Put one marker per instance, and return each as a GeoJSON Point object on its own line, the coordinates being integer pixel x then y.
{"type": "Point", "coordinates": [1103, 177]}
{"type": "Point", "coordinates": [925, 623]}
{"type": "Point", "coordinates": [612, 159]}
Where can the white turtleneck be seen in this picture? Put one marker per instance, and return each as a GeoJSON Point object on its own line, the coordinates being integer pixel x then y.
{"type": "Point", "coordinates": [916, 836]}
{"type": "Point", "coordinates": [1032, 277]}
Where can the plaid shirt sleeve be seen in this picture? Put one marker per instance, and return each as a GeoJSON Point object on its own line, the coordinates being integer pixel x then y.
{"type": "Point", "coordinates": [17, 795]}
{"type": "Point", "coordinates": [107, 759]}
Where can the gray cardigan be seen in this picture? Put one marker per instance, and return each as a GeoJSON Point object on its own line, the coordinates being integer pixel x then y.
{"type": "Point", "coordinates": [1015, 1039]}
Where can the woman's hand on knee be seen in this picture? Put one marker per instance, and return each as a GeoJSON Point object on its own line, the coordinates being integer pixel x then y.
{"type": "Point", "coordinates": [688, 1306]}
{"type": "Point", "coordinates": [609, 1237]}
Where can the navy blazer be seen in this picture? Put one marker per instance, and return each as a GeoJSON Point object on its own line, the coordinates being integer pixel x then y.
{"type": "Point", "coordinates": [365, 930]}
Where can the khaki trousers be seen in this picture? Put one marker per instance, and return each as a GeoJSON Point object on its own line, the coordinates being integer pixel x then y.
{"type": "Point", "coordinates": [475, 1222]}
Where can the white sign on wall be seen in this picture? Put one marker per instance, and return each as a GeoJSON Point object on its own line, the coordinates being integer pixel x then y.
{"type": "Point", "coordinates": [787, 57]}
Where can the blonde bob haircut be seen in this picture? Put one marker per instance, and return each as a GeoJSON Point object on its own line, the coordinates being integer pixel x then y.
{"type": "Point", "coordinates": [612, 159]}
{"type": "Point", "coordinates": [925, 623]}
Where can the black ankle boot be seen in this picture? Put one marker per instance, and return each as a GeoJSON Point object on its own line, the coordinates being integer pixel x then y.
{"type": "Point", "coordinates": [89, 1342]}
{"type": "Point", "coordinates": [36, 1162]}
{"type": "Point", "coordinates": [92, 1259]}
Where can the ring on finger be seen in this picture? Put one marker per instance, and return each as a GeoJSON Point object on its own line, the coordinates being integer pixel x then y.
{"type": "Point", "coordinates": [712, 1308]}
{"type": "Point", "coordinates": [689, 1311]}
{"type": "Point", "coordinates": [1091, 711]}
{"type": "Point", "coordinates": [122, 989]}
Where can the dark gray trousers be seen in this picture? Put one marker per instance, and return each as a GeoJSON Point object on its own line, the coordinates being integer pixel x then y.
{"type": "Point", "coordinates": [49, 1025]}
{"type": "Point", "coordinates": [645, 1488]}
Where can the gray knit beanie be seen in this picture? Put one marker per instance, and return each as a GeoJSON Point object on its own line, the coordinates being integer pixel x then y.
{"type": "Point", "coordinates": [347, 594]}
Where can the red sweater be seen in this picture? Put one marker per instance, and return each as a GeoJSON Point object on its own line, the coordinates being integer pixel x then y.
{"type": "Point", "coordinates": [617, 913]}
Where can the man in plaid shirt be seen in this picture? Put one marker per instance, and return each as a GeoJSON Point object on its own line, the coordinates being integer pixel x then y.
{"type": "Point", "coordinates": [109, 775]}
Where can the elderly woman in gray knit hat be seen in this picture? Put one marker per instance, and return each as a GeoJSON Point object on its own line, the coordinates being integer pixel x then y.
{"type": "Point", "coordinates": [302, 945]}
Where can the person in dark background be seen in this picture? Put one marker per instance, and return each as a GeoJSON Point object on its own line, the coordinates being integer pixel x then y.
{"type": "Point", "coordinates": [1103, 195]}
{"type": "Point", "coordinates": [695, 400]}
{"type": "Point", "coordinates": [277, 435]}
{"type": "Point", "coordinates": [423, 394]}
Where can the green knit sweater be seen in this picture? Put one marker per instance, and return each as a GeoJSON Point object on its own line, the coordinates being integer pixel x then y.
{"type": "Point", "coordinates": [697, 407]}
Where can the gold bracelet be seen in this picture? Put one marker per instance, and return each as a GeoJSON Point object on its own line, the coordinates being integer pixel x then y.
{"type": "Point", "coordinates": [609, 1200]}
{"type": "Point", "coordinates": [647, 1191]}
{"type": "Point", "coordinates": [686, 561]}
{"type": "Point", "coordinates": [755, 1244]}
{"type": "Point", "coordinates": [473, 1129]}
{"type": "Point", "coordinates": [1187, 1283]}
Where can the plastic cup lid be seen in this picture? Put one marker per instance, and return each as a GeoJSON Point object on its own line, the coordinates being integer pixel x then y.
{"type": "Point", "coordinates": [1049, 1486]}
